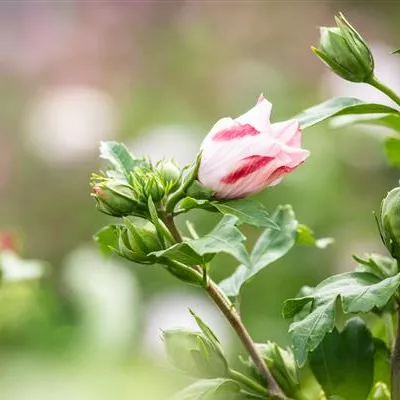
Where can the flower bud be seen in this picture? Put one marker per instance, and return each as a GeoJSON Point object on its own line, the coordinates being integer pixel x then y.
{"type": "Point", "coordinates": [154, 188]}
{"type": "Point", "coordinates": [282, 364]}
{"type": "Point", "coordinates": [137, 239]}
{"type": "Point", "coordinates": [170, 173]}
{"type": "Point", "coordinates": [193, 353]}
{"type": "Point", "coordinates": [345, 52]}
{"type": "Point", "coordinates": [242, 156]}
{"type": "Point", "coordinates": [389, 222]}
{"type": "Point", "coordinates": [114, 198]}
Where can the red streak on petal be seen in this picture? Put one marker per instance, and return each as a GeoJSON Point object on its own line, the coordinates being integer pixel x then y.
{"type": "Point", "coordinates": [250, 165]}
{"type": "Point", "coordinates": [280, 172]}
{"type": "Point", "coordinates": [235, 132]}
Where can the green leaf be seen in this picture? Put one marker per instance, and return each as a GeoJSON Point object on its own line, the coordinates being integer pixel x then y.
{"type": "Point", "coordinates": [339, 106]}
{"type": "Point", "coordinates": [381, 362]}
{"type": "Point", "coordinates": [210, 389]}
{"type": "Point", "coordinates": [294, 306]}
{"type": "Point", "coordinates": [107, 239]}
{"type": "Point", "coordinates": [396, 52]}
{"type": "Point", "coordinates": [246, 210]}
{"type": "Point", "coordinates": [271, 245]}
{"type": "Point", "coordinates": [189, 203]}
{"type": "Point", "coordinates": [359, 292]}
{"type": "Point", "coordinates": [343, 363]}
{"type": "Point", "coordinates": [392, 147]}
{"type": "Point", "coordinates": [224, 238]}
{"type": "Point", "coordinates": [205, 329]}
{"type": "Point", "coordinates": [391, 121]}
{"type": "Point", "coordinates": [377, 264]}
{"type": "Point", "coordinates": [183, 272]}
{"type": "Point", "coordinates": [120, 157]}
{"type": "Point", "coordinates": [308, 332]}
{"type": "Point", "coordinates": [306, 236]}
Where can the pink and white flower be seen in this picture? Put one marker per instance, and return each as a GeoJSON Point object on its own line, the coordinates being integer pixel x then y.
{"type": "Point", "coordinates": [245, 155]}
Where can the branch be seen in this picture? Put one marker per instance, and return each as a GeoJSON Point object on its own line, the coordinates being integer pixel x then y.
{"type": "Point", "coordinates": [233, 317]}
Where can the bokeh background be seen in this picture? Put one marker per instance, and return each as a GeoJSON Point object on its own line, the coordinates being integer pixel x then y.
{"type": "Point", "coordinates": [157, 75]}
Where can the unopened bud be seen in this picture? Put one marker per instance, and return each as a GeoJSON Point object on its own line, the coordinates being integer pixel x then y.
{"type": "Point", "coordinates": [282, 364]}
{"type": "Point", "coordinates": [137, 239]}
{"type": "Point", "coordinates": [344, 50]}
{"type": "Point", "coordinates": [193, 353]}
{"type": "Point", "coordinates": [390, 222]}
{"type": "Point", "coordinates": [115, 198]}
{"type": "Point", "coordinates": [170, 173]}
{"type": "Point", "coordinates": [154, 188]}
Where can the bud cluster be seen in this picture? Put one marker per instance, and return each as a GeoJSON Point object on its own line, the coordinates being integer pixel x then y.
{"type": "Point", "coordinates": [138, 189]}
{"type": "Point", "coordinates": [120, 197]}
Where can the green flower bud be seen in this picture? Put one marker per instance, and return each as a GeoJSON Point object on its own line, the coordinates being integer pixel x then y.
{"type": "Point", "coordinates": [193, 353]}
{"type": "Point", "coordinates": [344, 50]}
{"type": "Point", "coordinates": [154, 188]}
{"type": "Point", "coordinates": [282, 364]}
{"type": "Point", "coordinates": [114, 198]}
{"type": "Point", "coordinates": [170, 173]}
{"type": "Point", "coordinates": [136, 240]}
{"type": "Point", "coordinates": [389, 222]}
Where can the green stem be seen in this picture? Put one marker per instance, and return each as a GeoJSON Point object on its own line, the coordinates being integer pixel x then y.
{"type": "Point", "coordinates": [395, 362]}
{"type": "Point", "coordinates": [248, 395]}
{"type": "Point", "coordinates": [376, 83]}
{"type": "Point", "coordinates": [181, 192]}
{"type": "Point", "coordinates": [170, 224]}
{"type": "Point", "coordinates": [248, 382]}
{"type": "Point", "coordinates": [390, 334]}
{"type": "Point", "coordinates": [233, 317]}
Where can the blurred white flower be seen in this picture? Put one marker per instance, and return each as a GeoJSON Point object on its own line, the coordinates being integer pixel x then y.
{"type": "Point", "coordinates": [172, 141]}
{"type": "Point", "coordinates": [15, 269]}
{"type": "Point", "coordinates": [387, 68]}
{"type": "Point", "coordinates": [66, 123]}
{"type": "Point", "coordinates": [170, 310]}
{"type": "Point", "coordinates": [109, 297]}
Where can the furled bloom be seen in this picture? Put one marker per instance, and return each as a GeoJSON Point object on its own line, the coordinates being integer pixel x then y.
{"type": "Point", "coordinates": [245, 155]}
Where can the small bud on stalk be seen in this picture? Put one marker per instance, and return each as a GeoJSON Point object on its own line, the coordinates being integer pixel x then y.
{"type": "Point", "coordinates": [170, 173]}
{"type": "Point", "coordinates": [343, 50]}
{"type": "Point", "coordinates": [282, 364]}
{"type": "Point", "coordinates": [389, 222]}
{"type": "Point", "coordinates": [114, 198]}
{"type": "Point", "coordinates": [193, 353]}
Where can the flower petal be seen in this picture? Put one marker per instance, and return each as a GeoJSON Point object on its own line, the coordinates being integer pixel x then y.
{"type": "Point", "coordinates": [287, 132]}
{"type": "Point", "coordinates": [258, 116]}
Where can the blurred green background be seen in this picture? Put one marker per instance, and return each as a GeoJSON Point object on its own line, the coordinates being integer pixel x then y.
{"type": "Point", "coordinates": [157, 75]}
